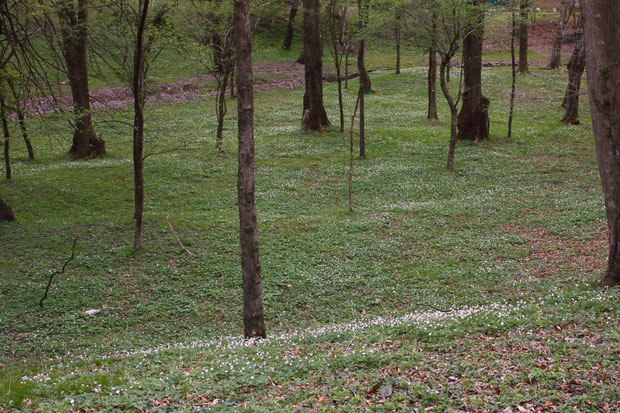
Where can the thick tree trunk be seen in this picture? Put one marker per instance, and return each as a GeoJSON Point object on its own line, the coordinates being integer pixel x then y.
{"type": "Point", "coordinates": [524, 13]}
{"type": "Point", "coordinates": [74, 35]}
{"type": "Point", "coordinates": [290, 27]}
{"type": "Point", "coordinates": [253, 319]}
{"type": "Point", "coordinates": [138, 123]}
{"type": "Point", "coordinates": [314, 116]}
{"type": "Point", "coordinates": [431, 112]}
{"type": "Point", "coordinates": [6, 213]}
{"type": "Point", "coordinates": [602, 37]}
{"type": "Point", "coordinates": [7, 136]}
{"type": "Point", "coordinates": [556, 49]}
{"type": "Point", "coordinates": [473, 122]}
{"type": "Point", "coordinates": [576, 65]}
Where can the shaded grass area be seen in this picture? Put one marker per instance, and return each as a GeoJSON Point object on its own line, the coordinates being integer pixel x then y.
{"type": "Point", "coordinates": [517, 219]}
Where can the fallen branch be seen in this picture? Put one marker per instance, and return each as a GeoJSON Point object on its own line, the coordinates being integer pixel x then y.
{"type": "Point", "coordinates": [177, 236]}
{"type": "Point", "coordinates": [62, 270]}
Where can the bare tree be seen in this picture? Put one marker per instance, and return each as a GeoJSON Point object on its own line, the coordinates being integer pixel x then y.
{"type": "Point", "coordinates": [602, 36]}
{"type": "Point", "coordinates": [454, 20]}
{"type": "Point", "coordinates": [253, 319]}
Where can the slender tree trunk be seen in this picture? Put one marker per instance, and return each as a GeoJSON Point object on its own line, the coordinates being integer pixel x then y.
{"type": "Point", "coordinates": [524, 15]}
{"type": "Point", "coordinates": [337, 63]}
{"type": "Point", "coordinates": [431, 113]}
{"type": "Point", "coordinates": [6, 213]}
{"type": "Point", "coordinates": [556, 50]}
{"type": "Point", "coordinates": [514, 73]}
{"type": "Point", "coordinates": [602, 37]}
{"type": "Point", "coordinates": [361, 66]}
{"type": "Point", "coordinates": [232, 80]}
{"type": "Point", "coordinates": [346, 66]}
{"type": "Point", "coordinates": [314, 115]}
{"type": "Point", "coordinates": [362, 124]}
{"type": "Point", "coordinates": [221, 113]}
{"type": "Point", "coordinates": [253, 319]}
{"type": "Point", "coordinates": [473, 122]}
{"type": "Point", "coordinates": [290, 27]}
{"type": "Point", "coordinates": [453, 110]}
{"type": "Point", "coordinates": [138, 123]}
{"type": "Point", "coordinates": [7, 136]}
{"type": "Point", "coordinates": [397, 36]}
{"type": "Point", "coordinates": [21, 119]}
{"type": "Point", "coordinates": [74, 35]}
{"type": "Point", "coordinates": [576, 66]}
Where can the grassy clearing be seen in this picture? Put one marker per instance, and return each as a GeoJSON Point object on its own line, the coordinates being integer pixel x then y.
{"type": "Point", "coordinates": [518, 222]}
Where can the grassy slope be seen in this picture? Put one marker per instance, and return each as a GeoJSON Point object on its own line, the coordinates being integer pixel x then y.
{"type": "Point", "coordinates": [516, 220]}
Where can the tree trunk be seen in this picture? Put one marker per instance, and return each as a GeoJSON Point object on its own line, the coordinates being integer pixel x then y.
{"type": "Point", "coordinates": [21, 119]}
{"type": "Point", "coordinates": [74, 36]}
{"type": "Point", "coordinates": [443, 75]}
{"type": "Point", "coordinates": [524, 14]}
{"type": "Point", "coordinates": [6, 213]}
{"type": "Point", "coordinates": [602, 37]}
{"type": "Point", "coordinates": [431, 113]}
{"type": "Point", "coordinates": [397, 35]}
{"type": "Point", "coordinates": [221, 113]}
{"type": "Point", "coordinates": [138, 123]}
{"type": "Point", "coordinates": [314, 115]}
{"type": "Point", "coordinates": [556, 50]}
{"type": "Point", "coordinates": [576, 65]}
{"type": "Point", "coordinates": [253, 319]}
{"type": "Point", "coordinates": [513, 34]}
{"type": "Point", "coordinates": [361, 66]}
{"type": "Point", "coordinates": [473, 121]}
{"type": "Point", "coordinates": [7, 136]}
{"type": "Point", "coordinates": [290, 27]}
{"type": "Point", "coordinates": [362, 124]}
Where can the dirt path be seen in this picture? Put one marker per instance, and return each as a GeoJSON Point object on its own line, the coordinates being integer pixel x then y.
{"type": "Point", "coordinates": [267, 75]}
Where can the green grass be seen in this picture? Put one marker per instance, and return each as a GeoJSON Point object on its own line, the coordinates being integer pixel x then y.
{"type": "Point", "coordinates": [518, 222]}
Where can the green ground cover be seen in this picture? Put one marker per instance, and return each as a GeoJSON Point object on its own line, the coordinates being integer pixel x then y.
{"type": "Point", "coordinates": [513, 240]}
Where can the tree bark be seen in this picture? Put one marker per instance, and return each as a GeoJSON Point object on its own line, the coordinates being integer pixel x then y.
{"type": "Point", "coordinates": [473, 120]}
{"type": "Point", "coordinates": [7, 136]}
{"type": "Point", "coordinates": [290, 27]}
{"type": "Point", "coordinates": [431, 112]}
{"type": "Point", "coordinates": [21, 119]}
{"type": "Point", "coordinates": [74, 36]}
{"type": "Point", "coordinates": [361, 66]}
{"type": "Point", "coordinates": [397, 36]}
{"type": "Point", "coordinates": [253, 319]}
{"type": "Point", "coordinates": [513, 34]}
{"type": "Point", "coordinates": [314, 116]}
{"type": "Point", "coordinates": [6, 213]}
{"type": "Point", "coordinates": [576, 66]}
{"type": "Point", "coordinates": [602, 37]}
{"type": "Point", "coordinates": [556, 49]}
{"type": "Point", "coordinates": [524, 13]}
{"type": "Point", "coordinates": [443, 75]}
{"type": "Point", "coordinates": [138, 123]}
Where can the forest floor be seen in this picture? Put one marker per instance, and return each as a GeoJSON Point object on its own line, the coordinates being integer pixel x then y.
{"type": "Point", "coordinates": [464, 290]}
